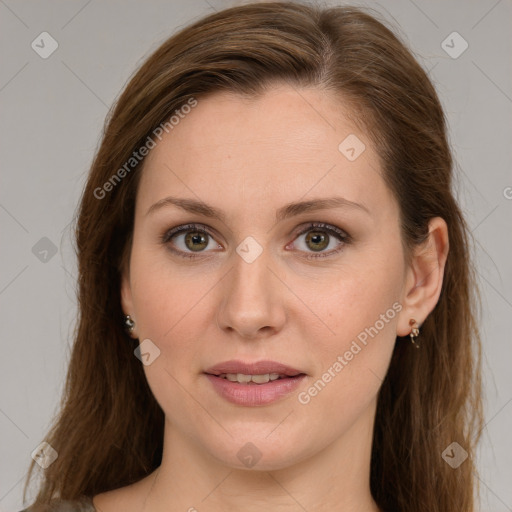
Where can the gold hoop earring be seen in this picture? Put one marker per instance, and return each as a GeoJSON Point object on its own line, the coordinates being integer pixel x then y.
{"type": "Point", "coordinates": [414, 332]}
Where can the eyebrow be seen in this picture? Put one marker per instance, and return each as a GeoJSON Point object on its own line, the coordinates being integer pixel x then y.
{"type": "Point", "coordinates": [288, 210]}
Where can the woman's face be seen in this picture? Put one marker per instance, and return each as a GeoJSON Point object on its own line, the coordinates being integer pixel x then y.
{"type": "Point", "coordinates": [321, 309]}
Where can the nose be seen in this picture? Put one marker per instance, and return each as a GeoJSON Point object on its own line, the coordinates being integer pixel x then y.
{"type": "Point", "coordinates": [253, 304]}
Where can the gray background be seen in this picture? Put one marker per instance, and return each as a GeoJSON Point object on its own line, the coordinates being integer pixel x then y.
{"type": "Point", "coordinates": [52, 115]}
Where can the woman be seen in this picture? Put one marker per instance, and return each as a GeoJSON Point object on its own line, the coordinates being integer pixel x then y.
{"type": "Point", "coordinates": [277, 310]}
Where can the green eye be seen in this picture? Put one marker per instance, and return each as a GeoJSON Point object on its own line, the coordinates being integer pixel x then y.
{"type": "Point", "coordinates": [318, 238]}
{"type": "Point", "coordinates": [197, 238]}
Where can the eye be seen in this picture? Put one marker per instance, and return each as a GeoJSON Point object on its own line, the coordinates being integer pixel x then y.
{"type": "Point", "coordinates": [319, 237]}
{"type": "Point", "coordinates": [190, 240]}
{"type": "Point", "coordinates": [195, 239]}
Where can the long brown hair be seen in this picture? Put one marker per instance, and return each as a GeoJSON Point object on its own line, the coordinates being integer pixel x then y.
{"type": "Point", "coordinates": [109, 432]}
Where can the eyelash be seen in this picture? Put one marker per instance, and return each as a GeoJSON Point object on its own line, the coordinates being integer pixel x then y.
{"type": "Point", "coordinates": [341, 235]}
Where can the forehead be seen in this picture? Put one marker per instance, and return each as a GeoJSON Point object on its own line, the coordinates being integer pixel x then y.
{"type": "Point", "coordinates": [284, 145]}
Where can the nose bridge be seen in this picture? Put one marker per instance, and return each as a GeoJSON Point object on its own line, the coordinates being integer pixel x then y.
{"type": "Point", "coordinates": [251, 299]}
{"type": "Point", "coordinates": [251, 271]}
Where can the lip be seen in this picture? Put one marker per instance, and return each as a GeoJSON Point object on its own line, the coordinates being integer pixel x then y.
{"type": "Point", "coordinates": [257, 368]}
{"type": "Point", "coordinates": [252, 394]}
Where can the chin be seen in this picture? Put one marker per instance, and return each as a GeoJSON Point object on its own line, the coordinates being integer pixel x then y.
{"type": "Point", "coordinates": [259, 452]}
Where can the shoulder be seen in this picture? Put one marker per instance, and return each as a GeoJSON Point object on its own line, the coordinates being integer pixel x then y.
{"type": "Point", "coordinates": [81, 505]}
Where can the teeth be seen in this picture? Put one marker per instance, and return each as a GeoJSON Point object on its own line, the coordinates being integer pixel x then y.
{"type": "Point", "coordinates": [245, 379]}
{"type": "Point", "coordinates": [259, 379]}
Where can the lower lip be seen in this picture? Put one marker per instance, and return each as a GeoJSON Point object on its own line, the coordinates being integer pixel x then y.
{"type": "Point", "coordinates": [254, 394]}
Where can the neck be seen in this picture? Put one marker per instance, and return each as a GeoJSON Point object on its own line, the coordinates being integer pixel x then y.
{"type": "Point", "coordinates": [335, 479]}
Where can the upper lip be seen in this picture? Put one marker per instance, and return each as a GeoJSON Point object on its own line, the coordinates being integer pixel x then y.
{"type": "Point", "coordinates": [256, 368]}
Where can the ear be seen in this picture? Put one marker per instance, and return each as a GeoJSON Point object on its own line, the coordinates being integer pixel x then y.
{"type": "Point", "coordinates": [424, 277]}
{"type": "Point", "coordinates": [126, 296]}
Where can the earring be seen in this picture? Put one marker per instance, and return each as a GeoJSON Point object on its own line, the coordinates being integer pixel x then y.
{"type": "Point", "coordinates": [414, 332]}
{"type": "Point", "coordinates": [129, 323]}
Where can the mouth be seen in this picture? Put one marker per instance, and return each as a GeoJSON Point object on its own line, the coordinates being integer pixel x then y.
{"type": "Point", "coordinates": [252, 384]}
{"type": "Point", "coordinates": [262, 378]}
{"type": "Point", "coordinates": [259, 372]}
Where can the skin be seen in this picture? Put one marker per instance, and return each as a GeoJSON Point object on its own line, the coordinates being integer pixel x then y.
{"type": "Point", "coordinates": [249, 158]}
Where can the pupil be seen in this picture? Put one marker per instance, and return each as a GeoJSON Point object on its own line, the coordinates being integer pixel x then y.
{"type": "Point", "coordinates": [317, 238]}
{"type": "Point", "coordinates": [314, 236]}
{"type": "Point", "coordinates": [197, 238]}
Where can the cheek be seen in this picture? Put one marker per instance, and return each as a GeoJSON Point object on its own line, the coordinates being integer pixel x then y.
{"type": "Point", "coordinates": [361, 308]}
{"type": "Point", "coordinates": [171, 303]}
{"type": "Point", "coordinates": [159, 290]}
{"type": "Point", "coordinates": [354, 296]}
